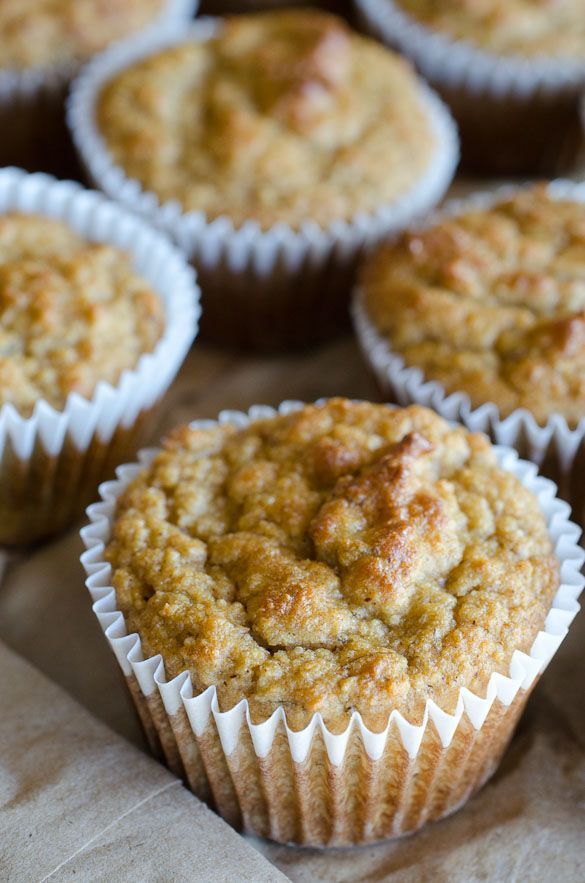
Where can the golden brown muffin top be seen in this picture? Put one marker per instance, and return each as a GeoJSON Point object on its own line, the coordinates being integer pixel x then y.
{"type": "Point", "coordinates": [508, 27]}
{"type": "Point", "coordinates": [492, 303]}
{"type": "Point", "coordinates": [72, 313]}
{"type": "Point", "coordinates": [283, 116]}
{"type": "Point", "coordinates": [37, 33]}
{"type": "Point", "coordinates": [346, 556]}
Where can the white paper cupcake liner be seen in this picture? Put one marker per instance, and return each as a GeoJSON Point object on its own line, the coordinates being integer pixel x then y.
{"type": "Point", "coordinates": [556, 447]}
{"type": "Point", "coordinates": [41, 453]}
{"type": "Point", "coordinates": [32, 118]}
{"type": "Point", "coordinates": [312, 786]}
{"type": "Point", "coordinates": [256, 276]}
{"type": "Point", "coordinates": [478, 82]}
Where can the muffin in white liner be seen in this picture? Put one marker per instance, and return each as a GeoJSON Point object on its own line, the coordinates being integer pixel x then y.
{"type": "Point", "coordinates": [266, 288]}
{"type": "Point", "coordinates": [32, 106]}
{"type": "Point", "coordinates": [557, 448]}
{"type": "Point", "coordinates": [311, 786]}
{"type": "Point", "coordinates": [52, 461]}
{"type": "Point", "coordinates": [517, 115]}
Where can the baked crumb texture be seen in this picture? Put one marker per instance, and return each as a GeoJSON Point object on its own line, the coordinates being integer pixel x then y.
{"type": "Point", "coordinates": [284, 116]}
{"type": "Point", "coordinates": [343, 557]}
{"type": "Point", "coordinates": [72, 313]}
{"type": "Point", "coordinates": [492, 303]}
{"type": "Point", "coordinates": [37, 33]}
{"type": "Point", "coordinates": [508, 27]}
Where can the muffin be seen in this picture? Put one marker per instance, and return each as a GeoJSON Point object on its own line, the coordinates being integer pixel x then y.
{"type": "Point", "coordinates": [42, 44]}
{"type": "Point", "coordinates": [72, 313]}
{"type": "Point", "coordinates": [85, 323]}
{"type": "Point", "coordinates": [318, 583]}
{"type": "Point", "coordinates": [272, 147]}
{"type": "Point", "coordinates": [512, 72]}
{"type": "Point", "coordinates": [489, 302]}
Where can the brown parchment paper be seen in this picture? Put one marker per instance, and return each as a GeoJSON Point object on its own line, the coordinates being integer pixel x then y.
{"type": "Point", "coordinates": [528, 824]}
{"type": "Point", "coordinates": [79, 802]}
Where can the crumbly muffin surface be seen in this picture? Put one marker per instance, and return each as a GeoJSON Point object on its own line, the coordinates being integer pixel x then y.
{"type": "Point", "coordinates": [282, 116]}
{"type": "Point", "coordinates": [72, 313]}
{"type": "Point", "coordinates": [492, 303]}
{"type": "Point", "coordinates": [35, 33]}
{"type": "Point", "coordinates": [508, 27]}
{"type": "Point", "coordinates": [346, 556]}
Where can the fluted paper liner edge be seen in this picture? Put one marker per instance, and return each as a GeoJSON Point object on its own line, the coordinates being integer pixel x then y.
{"type": "Point", "coordinates": [312, 786]}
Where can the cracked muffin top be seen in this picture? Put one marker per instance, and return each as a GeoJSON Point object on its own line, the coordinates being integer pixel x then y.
{"type": "Point", "coordinates": [282, 116]}
{"type": "Point", "coordinates": [37, 33]}
{"type": "Point", "coordinates": [347, 556]}
{"type": "Point", "coordinates": [508, 27]}
{"type": "Point", "coordinates": [492, 303]}
{"type": "Point", "coordinates": [72, 313]}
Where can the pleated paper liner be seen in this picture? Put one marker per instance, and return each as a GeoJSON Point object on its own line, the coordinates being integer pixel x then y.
{"type": "Point", "coordinates": [557, 448]}
{"type": "Point", "coordinates": [33, 130]}
{"type": "Point", "coordinates": [312, 787]}
{"type": "Point", "coordinates": [517, 115]}
{"type": "Point", "coordinates": [265, 289]}
{"type": "Point", "coordinates": [52, 461]}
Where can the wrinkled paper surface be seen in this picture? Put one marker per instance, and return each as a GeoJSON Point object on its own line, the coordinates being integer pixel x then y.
{"type": "Point", "coordinates": [79, 802]}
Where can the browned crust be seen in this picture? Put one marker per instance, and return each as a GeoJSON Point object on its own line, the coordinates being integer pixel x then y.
{"type": "Point", "coordinates": [72, 312]}
{"type": "Point", "coordinates": [343, 557]}
{"type": "Point", "coordinates": [567, 471]}
{"type": "Point", "coordinates": [491, 302]}
{"type": "Point", "coordinates": [284, 116]}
